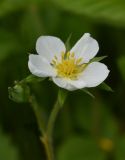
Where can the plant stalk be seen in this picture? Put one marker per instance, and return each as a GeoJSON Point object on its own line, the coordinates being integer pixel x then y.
{"type": "Point", "coordinates": [47, 133]}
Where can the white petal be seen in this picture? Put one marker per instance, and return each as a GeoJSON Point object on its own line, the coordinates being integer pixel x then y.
{"type": "Point", "coordinates": [40, 67]}
{"type": "Point", "coordinates": [68, 84]}
{"type": "Point", "coordinates": [78, 84]}
{"type": "Point", "coordinates": [49, 46]}
{"type": "Point", "coordinates": [94, 74]}
{"type": "Point", "coordinates": [85, 48]}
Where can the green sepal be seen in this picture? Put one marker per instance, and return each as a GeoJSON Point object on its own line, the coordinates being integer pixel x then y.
{"type": "Point", "coordinates": [67, 43]}
{"type": "Point", "coordinates": [97, 59]}
{"type": "Point", "coordinates": [106, 87]}
{"type": "Point", "coordinates": [62, 95]}
{"type": "Point", "coordinates": [88, 92]}
{"type": "Point", "coordinates": [32, 79]}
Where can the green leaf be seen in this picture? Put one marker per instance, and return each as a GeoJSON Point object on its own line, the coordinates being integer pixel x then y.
{"type": "Point", "coordinates": [80, 148]}
{"type": "Point", "coordinates": [7, 150]}
{"type": "Point", "coordinates": [106, 87]}
{"type": "Point", "coordinates": [97, 59]}
{"type": "Point", "coordinates": [110, 12]}
{"type": "Point", "coordinates": [88, 92]}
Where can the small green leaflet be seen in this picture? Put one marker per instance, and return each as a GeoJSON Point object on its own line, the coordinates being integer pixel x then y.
{"type": "Point", "coordinates": [31, 78]}
{"type": "Point", "coordinates": [97, 59]}
{"type": "Point", "coordinates": [67, 43]}
{"type": "Point", "coordinates": [88, 92]}
{"type": "Point", "coordinates": [106, 87]}
{"type": "Point", "coordinates": [103, 86]}
{"type": "Point", "coordinates": [62, 95]}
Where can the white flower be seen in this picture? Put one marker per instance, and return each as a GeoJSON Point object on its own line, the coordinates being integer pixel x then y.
{"type": "Point", "coordinates": [70, 70]}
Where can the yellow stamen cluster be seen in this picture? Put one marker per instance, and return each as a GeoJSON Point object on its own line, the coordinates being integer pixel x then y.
{"type": "Point", "coordinates": [68, 66]}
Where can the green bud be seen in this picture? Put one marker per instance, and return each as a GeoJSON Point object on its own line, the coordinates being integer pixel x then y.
{"type": "Point", "coordinates": [19, 93]}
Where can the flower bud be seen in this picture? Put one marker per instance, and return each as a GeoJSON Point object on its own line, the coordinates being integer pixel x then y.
{"type": "Point", "coordinates": [19, 93]}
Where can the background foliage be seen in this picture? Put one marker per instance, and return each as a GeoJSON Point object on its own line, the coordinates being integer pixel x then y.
{"type": "Point", "coordinates": [91, 129]}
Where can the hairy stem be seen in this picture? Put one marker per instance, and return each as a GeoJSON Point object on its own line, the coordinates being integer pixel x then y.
{"type": "Point", "coordinates": [38, 113]}
{"type": "Point", "coordinates": [46, 137]}
{"type": "Point", "coordinates": [48, 147]}
{"type": "Point", "coordinates": [52, 119]}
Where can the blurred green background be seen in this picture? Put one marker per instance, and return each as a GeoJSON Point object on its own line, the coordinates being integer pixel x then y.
{"type": "Point", "coordinates": [87, 129]}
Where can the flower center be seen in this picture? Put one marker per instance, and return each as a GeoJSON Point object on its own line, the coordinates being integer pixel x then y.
{"type": "Point", "coordinates": [69, 66]}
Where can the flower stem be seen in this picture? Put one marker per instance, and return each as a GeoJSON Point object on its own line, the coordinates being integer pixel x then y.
{"type": "Point", "coordinates": [48, 147]}
{"type": "Point", "coordinates": [38, 113]}
{"type": "Point", "coordinates": [47, 134]}
{"type": "Point", "coordinates": [52, 119]}
{"type": "Point", "coordinates": [58, 105]}
{"type": "Point", "coordinates": [47, 139]}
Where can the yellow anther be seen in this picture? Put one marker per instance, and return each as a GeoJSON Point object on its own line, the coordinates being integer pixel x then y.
{"type": "Point", "coordinates": [72, 55]}
{"type": "Point", "coordinates": [69, 66]}
{"type": "Point", "coordinates": [78, 60]}
{"type": "Point", "coordinates": [53, 62]}
{"type": "Point", "coordinates": [62, 55]}
{"type": "Point", "coordinates": [55, 57]}
{"type": "Point", "coordinates": [68, 54]}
